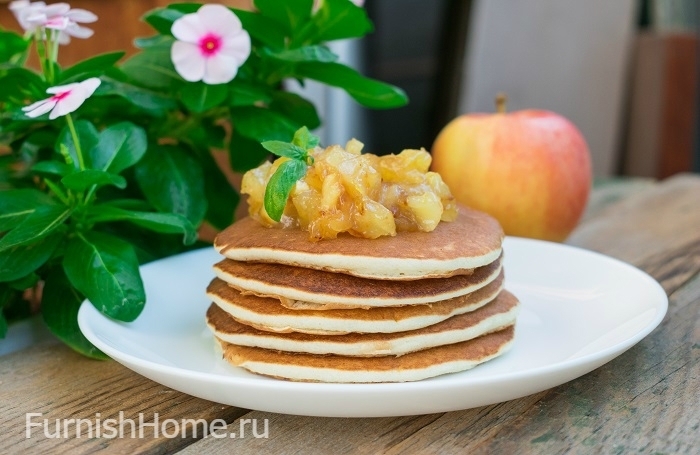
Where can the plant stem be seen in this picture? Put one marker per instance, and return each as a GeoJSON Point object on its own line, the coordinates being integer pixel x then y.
{"type": "Point", "coordinates": [501, 100]}
{"type": "Point", "coordinates": [41, 52]}
{"type": "Point", "coordinates": [76, 141]}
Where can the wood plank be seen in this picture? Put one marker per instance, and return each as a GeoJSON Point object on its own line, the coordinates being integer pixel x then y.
{"type": "Point", "coordinates": [644, 401]}
{"type": "Point", "coordinates": [649, 229]}
{"type": "Point", "coordinates": [60, 384]}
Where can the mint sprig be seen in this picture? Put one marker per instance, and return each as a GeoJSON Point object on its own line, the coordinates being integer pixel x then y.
{"type": "Point", "coordinates": [288, 173]}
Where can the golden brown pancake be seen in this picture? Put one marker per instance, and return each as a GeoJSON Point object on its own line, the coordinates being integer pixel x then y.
{"type": "Point", "coordinates": [267, 314]}
{"type": "Point", "coordinates": [489, 318]}
{"type": "Point", "coordinates": [453, 248]}
{"type": "Point", "coordinates": [290, 284]}
{"type": "Point", "coordinates": [415, 366]}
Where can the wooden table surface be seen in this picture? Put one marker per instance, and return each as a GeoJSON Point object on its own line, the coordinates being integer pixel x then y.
{"type": "Point", "coordinates": [645, 401]}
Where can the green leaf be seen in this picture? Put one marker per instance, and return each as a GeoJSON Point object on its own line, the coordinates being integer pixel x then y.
{"type": "Point", "coordinates": [35, 226]}
{"type": "Point", "coordinates": [22, 260]}
{"type": "Point", "coordinates": [199, 97]}
{"type": "Point", "coordinates": [173, 181]}
{"type": "Point", "coordinates": [162, 19]}
{"type": "Point", "coordinates": [11, 44]}
{"type": "Point", "coordinates": [295, 107]}
{"type": "Point", "coordinates": [153, 68]}
{"type": "Point", "coordinates": [16, 205]}
{"type": "Point", "coordinates": [262, 124]}
{"type": "Point", "coordinates": [262, 29]}
{"type": "Point", "coordinates": [303, 54]}
{"type": "Point", "coordinates": [59, 308]}
{"type": "Point", "coordinates": [152, 102]}
{"type": "Point", "coordinates": [337, 19]}
{"type": "Point", "coordinates": [105, 269]}
{"type": "Point", "coordinates": [3, 324]}
{"type": "Point", "coordinates": [166, 223]}
{"type": "Point", "coordinates": [247, 94]}
{"type": "Point", "coordinates": [94, 66]}
{"type": "Point", "coordinates": [280, 185]}
{"type": "Point", "coordinates": [19, 85]}
{"type": "Point", "coordinates": [304, 139]}
{"type": "Point", "coordinates": [368, 92]}
{"type": "Point", "coordinates": [87, 135]}
{"type": "Point", "coordinates": [244, 153]}
{"type": "Point", "coordinates": [118, 147]}
{"type": "Point", "coordinates": [153, 41]}
{"type": "Point", "coordinates": [82, 180]}
{"type": "Point", "coordinates": [25, 282]}
{"type": "Point", "coordinates": [53, 167]}
{"type": "Point", "coordinates": [280, 148]}
{"type": "Point", "coordinates": [290, 14]}
{"type": "Point", "coordinates": [221, 198]}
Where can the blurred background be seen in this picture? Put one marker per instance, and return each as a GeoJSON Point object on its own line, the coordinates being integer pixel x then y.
{"type": "Point", "coordinates": [624, 71]}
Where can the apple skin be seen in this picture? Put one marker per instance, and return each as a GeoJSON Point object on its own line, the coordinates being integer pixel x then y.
{"type": "Point", "coordinates": [531, 170]}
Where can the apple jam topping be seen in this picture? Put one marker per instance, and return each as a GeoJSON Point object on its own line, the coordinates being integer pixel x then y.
{"type": "Point", "coordinates": [362, 194]}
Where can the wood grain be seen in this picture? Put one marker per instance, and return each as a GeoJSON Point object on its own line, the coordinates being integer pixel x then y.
{"type": "Point", "coordinates": [52, 380]}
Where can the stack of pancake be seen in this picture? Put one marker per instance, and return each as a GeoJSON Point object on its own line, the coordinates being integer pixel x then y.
{"type": "Point", "coordinates": [392, 309]}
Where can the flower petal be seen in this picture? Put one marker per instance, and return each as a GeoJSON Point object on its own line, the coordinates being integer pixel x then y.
{"type": "Point", "coordinates": [188, 28]}
{"type": "Point", "coordinates": [81, 15]}
{"type": "Point", "coordinates": [68, 104]}
{"type": "Point", "coordinates": [219, 19]}
{"type": "Point", "coordinates": [79, 32]}
{"type": "Point", "coordinates": [56, 9]}
{"type": "Point", "coordinates": [188, 61]}
{"type": "Point", "coordinates": [237, 46]}
{"type": "Point", "coordinates": [33, 106]}
{"type": "Point", "coordinates": [220, 69]}
{"type": "Point", "coordinates": [40, 108]}
{"type": "Point", "coordinates": [62, 88]}
{"type": "Point", "coordinates": [63, 38]}
{"type": "Point", "coordinates": [88, 86]}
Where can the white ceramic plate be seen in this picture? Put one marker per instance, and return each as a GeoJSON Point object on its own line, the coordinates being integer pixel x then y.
{"type": "Point", "coordinates": [579, 310]}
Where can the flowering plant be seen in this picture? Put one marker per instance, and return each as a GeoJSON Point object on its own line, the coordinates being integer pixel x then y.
{"type": "Point", "coordinates": [107, 165]}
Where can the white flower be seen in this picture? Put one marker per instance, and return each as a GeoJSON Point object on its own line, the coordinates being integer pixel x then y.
{"type": "Point", "coordinates": [65, 99]}
{"type": "Point", "coordinates": [211, 45]}
{"type": "Point", "coordinates": [57, 16]}
{"type": "Point", "coordinates": [317, 4]}
{"type": "Point", "coordinates": [23, 9]}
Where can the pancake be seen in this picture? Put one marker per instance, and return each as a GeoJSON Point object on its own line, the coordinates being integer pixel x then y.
{"type": "Point", "coordinates": [267, 314]}
{"type": "Point", "coordinates": [453, 248]}
{"type": "Point", "coordinates": [415, 366]}
{"type": "Point", "coordinates": [489, 318]}
{"type": "Point", "coordinates": [337, 290]}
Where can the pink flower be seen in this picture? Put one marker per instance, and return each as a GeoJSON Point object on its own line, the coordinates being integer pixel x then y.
{"type": "Point", "coordinates": [211, 45]}
{"type": "Point", "coordinates": [65, 99]}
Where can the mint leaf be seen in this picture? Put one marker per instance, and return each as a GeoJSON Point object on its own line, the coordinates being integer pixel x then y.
{"type": "Point", "coordinates": [280, 148]}
{"type": "Point", "coordinates": [280, 186]}
{"type": "Point", "coordinates": [304, 139]}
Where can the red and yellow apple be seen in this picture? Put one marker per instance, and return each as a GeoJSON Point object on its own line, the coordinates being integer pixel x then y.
{"type": "Point", "coordinates": [529, 169]}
